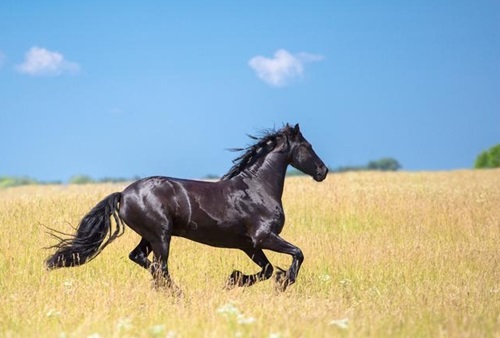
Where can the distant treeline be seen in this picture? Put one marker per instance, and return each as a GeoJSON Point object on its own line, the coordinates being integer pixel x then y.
{"type": "Point", "coordinates": [85, 179]}
{"type": "Point", "coordinates": [6, 181]}
{"type": "Point", "coordinates": [10, 181]}
{"type": "Point", "coordinates": [384, 164]}
{"type": "Point", "coordinates": [489, 158]}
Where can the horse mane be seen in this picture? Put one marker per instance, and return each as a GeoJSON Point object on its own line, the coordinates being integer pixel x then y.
{"type": "Point", "coordinates": [267, 140]}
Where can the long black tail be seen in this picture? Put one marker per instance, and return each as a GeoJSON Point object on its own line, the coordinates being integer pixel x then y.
{"type": "Point", "coordinates": [88, 242]}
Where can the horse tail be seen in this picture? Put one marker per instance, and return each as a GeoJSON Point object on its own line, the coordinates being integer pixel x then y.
{"type": "Point", "coordinates": [91, 233]}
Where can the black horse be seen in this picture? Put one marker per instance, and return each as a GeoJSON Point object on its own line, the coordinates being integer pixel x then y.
{"type": "Point", "coordinates": [243, 210]}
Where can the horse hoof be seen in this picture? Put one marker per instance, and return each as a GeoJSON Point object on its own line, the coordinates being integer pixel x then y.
{"type": "Point", "coordinates": [282, 280]}
{"type": "Point", "coordinates": [282, 284]}
{"type": "Point", "coordinates": [234, 280]}
{"type": "Point", "coordinates": [176, 291]}
{"type": "Point", "coordinates": [168, 287]}
{"type": "Point", "coordinates": [280, 274]}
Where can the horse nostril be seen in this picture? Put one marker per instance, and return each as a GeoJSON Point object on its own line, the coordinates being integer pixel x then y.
{"type": "Point", "coordinates": [321, 175]}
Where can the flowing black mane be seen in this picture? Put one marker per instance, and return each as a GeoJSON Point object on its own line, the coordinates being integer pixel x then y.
{"type": "Point", "coordinates": [265, 144]}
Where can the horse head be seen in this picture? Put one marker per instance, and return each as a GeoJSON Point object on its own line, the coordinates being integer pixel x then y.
{"type": "Point", "coordinates": [302, 156]}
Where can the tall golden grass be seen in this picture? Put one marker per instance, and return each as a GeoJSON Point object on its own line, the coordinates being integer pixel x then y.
{"type": "Point", "coordinates": [386, 255]}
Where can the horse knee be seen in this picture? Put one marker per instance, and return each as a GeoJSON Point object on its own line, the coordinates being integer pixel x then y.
{"type": "Point", "coordinates": [298, 255]}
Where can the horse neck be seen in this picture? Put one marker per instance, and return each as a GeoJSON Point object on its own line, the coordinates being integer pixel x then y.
{"type": "Point", "coordinates": [268, 172]}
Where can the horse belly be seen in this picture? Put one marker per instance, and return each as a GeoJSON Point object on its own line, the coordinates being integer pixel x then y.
{"type": "Point", "coordinates": [213, 235]}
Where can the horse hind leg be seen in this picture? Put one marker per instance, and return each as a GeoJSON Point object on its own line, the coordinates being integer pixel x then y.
{"type": "Point", "coordinates": [140, 254]}
{"type": "Point", "coordinates": [238, 278]}
{"type": "Point", "coordinates": [159, 267]}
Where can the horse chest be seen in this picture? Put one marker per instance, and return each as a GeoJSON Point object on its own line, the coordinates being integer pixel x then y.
{"type": "Point", "coordinates": [278, 220]}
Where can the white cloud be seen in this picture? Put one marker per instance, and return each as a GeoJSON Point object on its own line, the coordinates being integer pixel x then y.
{"type": "Point", "coordinates": [283, 67]}
{"type": "Point", "coordinates": [40, 61]}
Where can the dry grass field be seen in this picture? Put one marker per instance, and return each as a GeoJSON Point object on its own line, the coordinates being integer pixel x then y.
{"type": "Point", "coordinates": [386, 255]}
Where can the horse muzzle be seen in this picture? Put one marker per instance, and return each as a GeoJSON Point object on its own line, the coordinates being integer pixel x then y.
{"type": "Point", "coordinates": [320, 174]}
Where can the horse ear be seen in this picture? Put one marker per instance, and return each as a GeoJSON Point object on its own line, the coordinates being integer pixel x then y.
{"type": "Point", "coordinates": [296, 129]}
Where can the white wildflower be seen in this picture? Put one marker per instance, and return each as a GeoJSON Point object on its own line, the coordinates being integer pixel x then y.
{"type": "Point", "coordinates": [245, 320]}
{"type": "Point", "coordinates": [229, 310]}
{"type": "Point", "coordinates": [232, 312]}
{"type": "Point", "coordinates": [340, 323]}
{"type": "Point", "coordinates": [325, 277]}
{"type": "Point", "coordinates": [53, 313]}
{"type": "Point", "coordinates": [157, 330]}
{"type": "Point", "coordinates": [124, 324]}
{"type": "Point", "coordinates": [274, 335]}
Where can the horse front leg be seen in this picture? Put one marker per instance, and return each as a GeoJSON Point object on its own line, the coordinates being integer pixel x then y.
{"type": "Point", "coordinates": [237, 278]}
{"type": "Point", "coordinates": [275, 243]}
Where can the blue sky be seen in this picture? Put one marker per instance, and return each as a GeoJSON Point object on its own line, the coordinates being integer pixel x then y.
{"type": "Point", "coordinates": [125, 88]}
